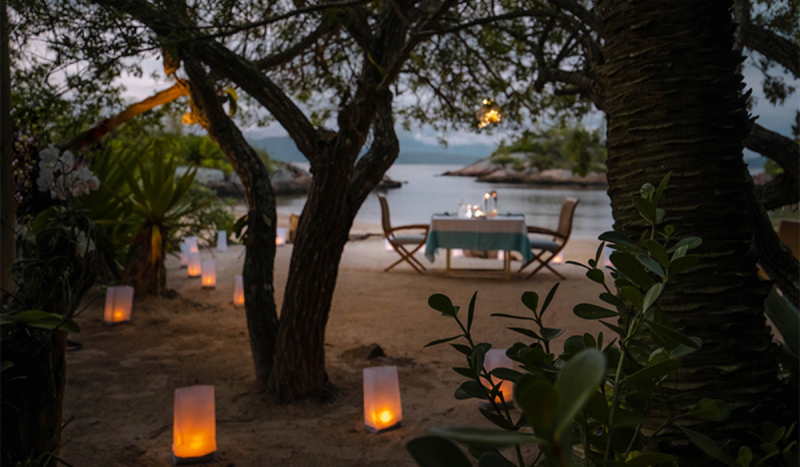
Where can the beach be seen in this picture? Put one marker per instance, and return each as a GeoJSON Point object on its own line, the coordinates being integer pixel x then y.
{"type": "Point", "coordinates": [120, 386]}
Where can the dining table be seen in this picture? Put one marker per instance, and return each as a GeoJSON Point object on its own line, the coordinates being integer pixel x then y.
{"type": "Point", "coordinates": [504, 232]}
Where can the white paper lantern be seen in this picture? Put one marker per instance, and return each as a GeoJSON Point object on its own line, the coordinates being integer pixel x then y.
{"type": "Point", "coordinates": [238, 291]}
{"type": "Point", "coordinates": [387, 245]}
{"type": "Point", "coordinates": [119, 303]}
{"type": "Point", "coordinates": [194, 268]}
{"type": "Point", "coordinates": [209, 274]}
{"type": "Point", "coordinates": [559, 259]}
{"type": "Point", "coordinates": [192, 242]}
{"type": "Point", "coordinates": [194, 431]}
{"type": "Point", "coordinates": [280, 236]}
{"type": "Point", "coordinates": [456, 253]}
{"type": "Point", "coordinates": [222, 240]}
{"type": "Point", "coordinates": [607, 257]}
{"type": "Point", "coordinates": [497, 358]}
{"type": "Point", "coordinates": [382, 408]}
{"type": "Point", "coordinates": [184, 254]}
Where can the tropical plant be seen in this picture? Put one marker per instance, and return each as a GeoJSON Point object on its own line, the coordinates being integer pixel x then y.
{"type": "Point", "coordinates": [160, 206]}
{"type": "Point", "coordinates": [213, 217]}
{"type": "Point", "coordinates": [594, 397]}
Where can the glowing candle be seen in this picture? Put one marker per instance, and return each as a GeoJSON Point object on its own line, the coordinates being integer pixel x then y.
{"type": "Point", "coordinates": [222, 240]}
{"type": "Point", "coordinates": [184, 254]}
{"type": "Point", "coordinates": [497, 358]}
{"type": "Point", "coordinates": [194, 431]}
{"type": "Point", "coordinates": [457, 253]}
{"type": "Point", "coordinates": [238, 291]}
{"type": "Point", "coordinates": [559, 259]}
{"type": "Point", "coordinates": [280, 236]}
{"type": "Point", "coordinates": [194, 267]}
{"type": "Point", "coordinates": [119, 303]}
{"type": "Point", "coordinates": [382, 408]}
{"type": "Point", "coordinates": [209, 274]}
{"type": "Point", "coordinates": [387, 245]}
{"type": "Point", "coordinates": [192, 242]}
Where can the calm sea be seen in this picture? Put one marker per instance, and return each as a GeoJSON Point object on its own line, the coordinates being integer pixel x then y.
{"type": "Point", "coordinates": [426, 193]}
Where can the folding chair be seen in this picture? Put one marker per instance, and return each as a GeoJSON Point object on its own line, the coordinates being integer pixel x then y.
{"type": "Point", "coordinates": [549, 249]}
{"type": "Point", "coordinates": [404, 245]}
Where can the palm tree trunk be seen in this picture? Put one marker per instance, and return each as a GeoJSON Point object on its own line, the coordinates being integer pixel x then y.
{"type": "Point", "coordinates": [674, 103]}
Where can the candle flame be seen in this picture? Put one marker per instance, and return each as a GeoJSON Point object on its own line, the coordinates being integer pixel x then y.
{"type": "Point", "coordinates": [118, 315]}
{"type": "Point", "coordinates": [385, 417]}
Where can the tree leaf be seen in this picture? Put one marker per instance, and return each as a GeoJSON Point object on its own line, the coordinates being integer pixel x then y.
{"type": "Point", "coordinates": [466, 350]}
{"type": "Point", "coordinates": [646, 209]}
{"type": "Point", "coordinates": [551, 333]}
{"type": "Point", "coordinates": [658, 252]}
{"type": "Point", "coordinates": [651, 296]}
{"type": "Point", "coordinates": [617, 238]}
{"type": "Point", "coordinates": [576, 383]}
{"type": "Point", "coordinates": [549, 299]}
{"type": "Point", "coordinates": [651, 458]}
{"type": "Point", "coordinates": [442, 304]}
{"type": "Point", "coordinates": [527, 332]}
{"type": "Point", "coordinates": [470, 389]}
{"type": "Point", "coordinates": [471, 310]}
{"type": "Point", "coordinates": [681, 264]}
{"type": "Point", "coordinates": [589, 311]}
{"type": "Point", "coordinates": [442, 341]}
{"type": "Point", "coordinates": [435, 451]}
{"type": "Point", "coordinates": [503, 315]}
{"type": "Point", "coordinates": [693, 342]}
{"type": "Point", "coordinates": [596, 275]}
{"type": "Point", "coordinates": [689, 242]}
{"type": "Point", "coordinates": [707, 409]}
{"type": "Point", "coordinates": [708, 446]}
{"type": "Point", "coordinates": [497, 419]}
{"type": "Point", "coordinates": [650, 264]}
{"type": "Point", "coordinates": [467, 372]}
{"type": "Point", "coordinates": [492, 459]}
{"type": "Point", "coordinates": [531, 301]}
{"type": "Point", "coordinates": [507, 374]}
{"type": "Point", "coordinates": [655, 371]}
{"type": "Point", "coordinates": [632, 269]}
{"type": "Point", "coordinates": [538, 399]}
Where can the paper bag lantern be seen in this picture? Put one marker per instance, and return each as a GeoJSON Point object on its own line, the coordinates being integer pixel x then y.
{"type": "Point", "coordinates": [382, 408]}
{"type": "Point", "coordinates": [184, 254]}
{"type": "Point", "coordinates": [497, 358]}
{"type": "Point", "coordinates": [119, 302]}
{"type": "Point", "coordinates": [387, 245]}
{"type": "Point", "coordinates": [238, 291]}
{"type": "Point", "coordinates": [607, 257]}
{"type": "Point", "coordinates": [194, 431]}
{"type": "Point", "coordinates": [222, 240]}
{"type": "Point", "coordinates": [192, 242]}
{"type": "Point", "coordinates": [209, 274]}
{"type": "Point", "coordinates": [280, 236]}
{"type": "Point", "coordinates": [194, 268]}
{"type": "Point", "coordinates": [457, 253]}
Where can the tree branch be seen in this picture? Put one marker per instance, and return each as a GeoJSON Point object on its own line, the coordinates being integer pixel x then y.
{"type": "Point", "coordinates": [287, 55]}
{"type": "Point", "coordinates": [773, 47]}
{"type": "Point", "coordinates": [777, 147]}
{"type": "Point", "coordinates": [587, 17]}
{"type": "Point", "coordinates": [780, 192]}
{"type": "Point", "coordinates": [90, 136]}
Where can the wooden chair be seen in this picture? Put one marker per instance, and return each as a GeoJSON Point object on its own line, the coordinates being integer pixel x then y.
{"type": "Point", "coordinates": [404, 245]}
{"type": "Point", "coordinates": [549, 249]}
{"type": "Point", "coordinates": [789, 233]}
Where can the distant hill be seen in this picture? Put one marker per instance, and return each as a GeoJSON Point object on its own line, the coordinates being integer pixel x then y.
{"type": "Point", "coordinates": [282, 148]}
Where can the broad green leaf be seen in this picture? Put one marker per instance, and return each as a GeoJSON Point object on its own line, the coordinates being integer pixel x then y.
{"type": "Point", "coordinates": [617, 238]}
{"type": "Point", "coordinates": [477, 357]}
{"type": "Point", "coordinates": [689, 242]}
{"type": "Point", "coordinates": [471, 310]}
{"type": "Point", "coordinates": [527, 332]}
{"type": "Point", "coordinates": [551, 333]}
{"type": "Point", "coordinates": [589, 311]}
{"type": "Point", "coordinates": [647, 191]}
{"type": "Point", "coordinates": [614, 328]}
{"type": "Point", "coordinates": [507, 374]}
{"type": "Point", "coordinates": [681, 264]}
{"type": "Point", "coordinates": [745, 456]}
{"type": "Point", "coordinates": [492, 459]}
{"type": "Point", "coordinates": [650, 264]}
{"type": "Point", "coordinates": [707, 409]}
{"type": "Point", "coordinates": [548, 299]}
{"type": "Point", "coordinates": [661, 187]}
{"type": "Point", "coordinates": [632, 269]}
{"type": "Point", "coordinates": [596, 275]}
{"type": "Point", "coordinates": [442, 341]}
{"type": "Point", "coordinates": [539, 400]}
{"type": "Point", "coordinates": [576, 383]}
{"type": "Point", "coordinates": [651, 458]}
{"type": "Point", "coordinates": [655, 371]}
{"type": "Point", "coordinates": [651, 296]}
{"type": "Point", "coordinates": [646, 209]}
{"type": "Point", "coordinates": [658, 252]}
{"type": "Point", "coordinates": [44, 320]}
{"type": "Point", "coordinates": [503, 315]}
{"type": "Point", "coordinates": [612, 300]}
{"type": "Point", "coordinates": [470, 389]}
{"type": "Point", "coordinates": [708, 446]}
{"type": "Point", "coordinates": [693, 342]}
{"type": "Point", "coordinates": [466, 350]}
{"type": "Point", "coordinates": [497, 419]}
{"type": "Point", "coordinates": [531, 301]}
{"type": "Point", "coordinates": [485, 437]}
{"type": "Point", "coordinates": [435, 451]}
{"type": "Point", "coordinates": [442, 304]}
{"type": "Point", "coordinates": [465, 372]}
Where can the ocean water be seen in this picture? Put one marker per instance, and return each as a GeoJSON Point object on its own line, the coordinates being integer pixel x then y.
{"type": "Point", "coordinates": [426, 193]}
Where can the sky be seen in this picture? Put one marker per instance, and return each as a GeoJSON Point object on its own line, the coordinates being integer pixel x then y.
{"type": "Point", "coordinates": [775, 118]}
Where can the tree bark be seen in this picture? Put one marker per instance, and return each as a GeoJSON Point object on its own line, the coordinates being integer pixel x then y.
{"type": "Point", "coordinates": [259, 263]}
{"type": "Point", "coordinates": [780, 192]}
{"type": "Point", "coordinates": [674, 104]}
{"type": "Point", "coordinates": [8, 214]}
{"type": "Point", "coordinates": [146, 274]}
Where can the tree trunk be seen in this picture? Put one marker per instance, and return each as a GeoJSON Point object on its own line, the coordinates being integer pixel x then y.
{"type": "Point", "coordinates": [8, 215]}
{"type": "Point", "coordinates": [146, 273]}
{"type": "Point", "coordinates": [33, 392]}
{"type": "Point", "coordinates": [674, 103]}
{"type": "Point", "coordinates": [259, 262]}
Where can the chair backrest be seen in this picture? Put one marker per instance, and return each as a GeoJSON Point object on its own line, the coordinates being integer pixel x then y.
{"type": "Point", "coordinates": [387, 224]}
{"type": "Point", "coordinates": [789, 233]}
{"type": "Point", "coordinates": [565, 219]}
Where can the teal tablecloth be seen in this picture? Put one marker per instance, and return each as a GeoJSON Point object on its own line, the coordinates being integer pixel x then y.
{"type": "Point", "coordinates": [509, 233]}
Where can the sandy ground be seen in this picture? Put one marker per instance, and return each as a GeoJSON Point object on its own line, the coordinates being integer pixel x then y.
{"type": "Point", "coordinates": [120, 386]}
